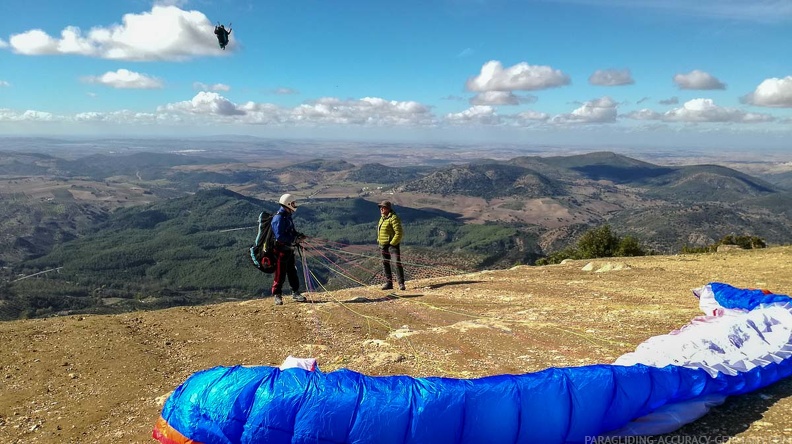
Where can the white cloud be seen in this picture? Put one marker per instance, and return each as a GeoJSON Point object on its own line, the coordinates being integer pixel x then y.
{"type": "Point", "coordinates": [532, 116]}
{"type": "Point", "coordinates": [369, 111]}
{"type": "Point", "coordinates": [698, 80]}
{"type": "Point", "coordinates": [8, 115]}
{"type": "Point", "coordinates": [500, 98]}
{"type": "Point", "coordinates": [467, 52]}
{"type": "Point", "coordinates": [670, 101]}
{"type": "Point", "coordinates": [3, 44]}
{"type": "Point", "coordinates": [611, 77]}
{"type": "Point", "coordinates": [164, 33]}
{"type": "Point", "coordinates": [209, 103]}
{"type": "Point", "coordinates": [125, 79]}
{"type": "Point", "coordinates": [4, 83]}
{"type": "Point", "coordinates": [177, 3]}
{"type": "Point", "coordinates": [644, 114]}
{"type": "Point", "coordinates": [522, 76]}
{"type": "Point", "coordinates": [702, 111]}
{"type": "Point", "coordinates": [215, 87]}
{"type": "Point", "coordinates": [773, 92]}
{"type": "Point", "coordinates": [120, 117]}
{"type": "Point", "coordinates": [602, 110]}
{"type": "Point", "coordinates": [283, 91]}
{"type": "Point", "coordinates": [483, 115]}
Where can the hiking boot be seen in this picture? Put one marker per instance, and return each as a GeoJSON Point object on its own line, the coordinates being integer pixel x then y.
{"type": "Point", "coordinates": [278, 300]}
{"type": "Point", "coordinates": [402, 287]}
{"type": "Point", "coordinates": [387, 286]}
{"type": "Point", "coordinates": [298, 297]}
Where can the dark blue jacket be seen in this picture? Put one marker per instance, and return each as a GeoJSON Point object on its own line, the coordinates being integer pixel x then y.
{"type": "Point", "coordinates": [283, 227]}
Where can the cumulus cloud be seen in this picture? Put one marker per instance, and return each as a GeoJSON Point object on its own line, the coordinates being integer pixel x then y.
{"type": "Point", "coordinates": [602, 110]}
{"type": "Point", "coordinates": [611, 77]}
{"type": "Point", "coordinates": [215, 87]}
{"type": "Point", "coordinates": [118, 117]}
{"type": "Point", "coordinates": [164, 33]}
{"type": "Point", "coordinates": [698, 80]}
{"type": "Point", "coordinates": [370, 111]}
{"type": "Point", "coordinates": [479, 114]}
{"type": "Point", "coordinates": [125, 79]}
{"type": "Point", "coordinates": [702, 111]}
{"type": "Point", "coordinates": [773, 92]}
{"type": "Point", "coordinates": [522, 76]}
{"type": "Point", "coordinates": [500, 98]}
{"type": "Point", "coordinates": [204, 102]}
{"type": "Point", "coordinates": [535, 116]}
{"type": "Point", "coordinates": [670, 101]}
{"type": "Point", "coordinates": [8, 115]}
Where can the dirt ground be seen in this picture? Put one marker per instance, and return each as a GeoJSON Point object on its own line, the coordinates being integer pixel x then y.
{"type": "Point", "coordinates": [88, 379]}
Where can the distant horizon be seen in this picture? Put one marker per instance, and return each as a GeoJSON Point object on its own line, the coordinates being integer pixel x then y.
{"type": "Point", "coordinates": [494, 150]}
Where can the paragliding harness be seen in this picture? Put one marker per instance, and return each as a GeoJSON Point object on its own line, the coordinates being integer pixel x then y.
{"type": "Point", "coordinates": [262, 253]}
{"type": "Point", "coordinates": [222, 34]}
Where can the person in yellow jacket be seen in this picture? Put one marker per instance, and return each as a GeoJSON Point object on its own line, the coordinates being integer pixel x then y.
{"type": "Point", "coordinates": [389, 236]}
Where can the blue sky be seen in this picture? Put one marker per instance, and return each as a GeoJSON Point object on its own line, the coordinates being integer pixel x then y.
{"type": "Point", "coordinates": [666, 73]}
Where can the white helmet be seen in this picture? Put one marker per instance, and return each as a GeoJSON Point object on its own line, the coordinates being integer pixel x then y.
{"type": "Point", "coordinates": [288, 201]}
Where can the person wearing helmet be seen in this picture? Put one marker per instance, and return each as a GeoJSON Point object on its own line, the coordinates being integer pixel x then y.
{"type": "Point", "coordinates": [222, 35]}
{"type": "Point", "coordinates": [286, 236]}
{"type": "Point", "coordinates": [389, 236]}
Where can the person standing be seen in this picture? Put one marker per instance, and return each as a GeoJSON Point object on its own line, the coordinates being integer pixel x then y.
{"type": "Point", "coordinates": [286, 236]}
{"type": "Point", "coordinates": [389, 236]}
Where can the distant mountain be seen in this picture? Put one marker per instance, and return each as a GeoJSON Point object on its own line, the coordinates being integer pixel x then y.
{"type": "Point", "coordinates": [499, 211]}
{"type": "Point", "coordinates": [707, 183]}
{"type": "Point", "coordinates": [144, 165]}
{"type": "Point", "coordinates": [669, 228]}
{"type": "Point", "coordinates": [486, 181]}
{"type": "Point", "coordinates": [323, 165]}
{"type": "Point", "coordinates": [26, 164]}
{"type": "Point", "coordinates": [378, 173]}
{"type": "Point", "coordinates": [194, 249]}
{"type": "Point", "coordinates": [781, 180]}
{"type": "Point", "coordinates": [608, 166]}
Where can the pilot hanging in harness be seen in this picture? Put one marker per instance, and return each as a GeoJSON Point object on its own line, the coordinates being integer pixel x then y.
{"type": "Point", "coordinates": [222, 35]}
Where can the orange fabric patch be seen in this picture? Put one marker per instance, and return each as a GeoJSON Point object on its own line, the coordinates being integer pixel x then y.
{"type": "Point", "coordinates": [166, 434]}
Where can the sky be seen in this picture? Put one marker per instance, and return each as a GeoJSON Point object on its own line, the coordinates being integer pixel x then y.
{"type": "Point", "coordinates": [653, 73]}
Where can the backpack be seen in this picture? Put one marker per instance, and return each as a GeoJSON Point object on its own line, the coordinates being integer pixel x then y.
{"type": "Point", "coordinates": [262, 253]}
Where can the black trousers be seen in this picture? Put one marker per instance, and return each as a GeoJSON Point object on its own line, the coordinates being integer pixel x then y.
{"type": "Point", "coordinates": [387, 251]}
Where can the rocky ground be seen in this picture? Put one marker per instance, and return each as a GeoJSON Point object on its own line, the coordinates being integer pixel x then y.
{"type": "Point", "coordinates": [88, 379]}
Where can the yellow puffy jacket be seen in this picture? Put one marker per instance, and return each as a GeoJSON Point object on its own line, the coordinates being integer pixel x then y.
{"type": "Point", "coordinates": [389, 230]}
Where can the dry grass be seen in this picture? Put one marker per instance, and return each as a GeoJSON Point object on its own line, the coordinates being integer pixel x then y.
{"type": "Point", "coordinates": [92, 378]}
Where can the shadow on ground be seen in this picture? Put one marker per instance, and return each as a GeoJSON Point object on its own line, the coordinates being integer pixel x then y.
{"type": "Point", "coordinates": [387, 297]}
{"type": "Point", "coordinates": [446, 284]}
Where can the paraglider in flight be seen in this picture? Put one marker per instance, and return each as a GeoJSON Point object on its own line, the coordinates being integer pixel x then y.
{"type": "Point", "coordinates": [222, 35]}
